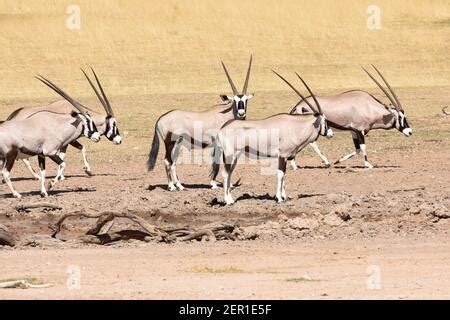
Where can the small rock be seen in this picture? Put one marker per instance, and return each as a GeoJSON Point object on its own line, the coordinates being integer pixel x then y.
{"type": "Point", "coordinates": [282, 218]}
{"type": "Point", "coordinates": [342, 210]}
{"type": "Point", "coordinates": [303, 223]}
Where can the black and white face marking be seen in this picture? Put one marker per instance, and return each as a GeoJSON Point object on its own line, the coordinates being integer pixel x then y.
{"type": "Point", "coordinates": [240, 104]}
{"type": "Point", "coordinates": [112, 132]}
{"type": "Point", "coordinates": [89, 128]}
{"type": "Point", "coordinates": [401, 123]}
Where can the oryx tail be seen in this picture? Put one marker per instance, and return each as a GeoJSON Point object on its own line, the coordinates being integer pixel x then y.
{"type": "Point", "coordinates": [153, 155]}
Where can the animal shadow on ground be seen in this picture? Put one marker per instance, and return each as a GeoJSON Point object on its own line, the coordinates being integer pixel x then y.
{"type": "Point", "coordinates": [193, 186]}
{"type": "Point", "coordinates": [50, 193]}
{"type": "Point", "coordinates": [310, 195]}
{"type": "Point", "coordinates": [245, 196]}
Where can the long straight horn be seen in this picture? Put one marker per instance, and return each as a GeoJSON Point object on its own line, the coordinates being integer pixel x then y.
{"type": "Point", "coordinates": [233, 87]}
{"type": "Point", "coordinates": [108, 105]}
{"type": "Point", "coordinates": [399, 106]}
{"type": "Point", "coordinates": [296, 91]}
{"type": "Point", "coordinates": [381, 87]}
{"type": "Point", "coordinates": [61, 92]}
{"type": "Point", "coordinates": [244, 90]}
{"type": "Point", "coordinates": [96, 92]}
{"type": "Point", "coordinates": [311, 93]}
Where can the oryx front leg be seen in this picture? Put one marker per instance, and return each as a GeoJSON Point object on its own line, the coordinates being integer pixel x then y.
{"type": "Point", "coordinates": [61, 166]}
{"type": "Point", "coordinates": [7, 166]}
{"type": "Point", "coordinates": [294, 164]}
{"type": "Point", "coordinates": [62, 155]}
{"type": "Point", "coordinates": [41, 160]}
{"type": "Point", "coordinates": [317, 150]}
{"type": "Point", "coordinates": [27, 164]}
{"type": "Point", "coordinates": [228, 167]}
{"type": "Point", "coordinates": [281, 192]}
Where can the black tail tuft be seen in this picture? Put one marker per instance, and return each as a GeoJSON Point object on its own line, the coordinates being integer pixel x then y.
{"type": "Point", "coordinates": [153, 155]}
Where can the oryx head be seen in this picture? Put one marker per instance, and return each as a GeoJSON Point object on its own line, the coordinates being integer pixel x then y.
{"type": "Point", "coordinates": [321, 122]}
{"type": "Point", "coordinates": [239, 99]}
{"type": "Point", "coordinates": [111, 129]}
{"type": "Point", "coordinates": [89, 130]}
{"type": "Point", "coordinates": [395, 106]}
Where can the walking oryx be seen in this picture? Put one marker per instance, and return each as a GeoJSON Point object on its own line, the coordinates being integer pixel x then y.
{"type": "Point", "coordinates": [43, 134]}
{"type": "Point", "coordinates": [282, 136]}
{"type": "Point", "coordinates": [445, 112]}
{"type": "Point", "coordinates": [196, 129]}
{"type": "Point", "coordinates": [106, 124]}
{"type": "Point", "coordinates": [359, 112]}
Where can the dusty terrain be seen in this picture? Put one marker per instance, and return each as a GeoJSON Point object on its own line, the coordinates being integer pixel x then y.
{"type": "Point", "coordinates": [345, 232]}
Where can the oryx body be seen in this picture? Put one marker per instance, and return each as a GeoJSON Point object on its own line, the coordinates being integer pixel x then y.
{"type": "Point", "coordinates": [359, 112]}
{"type": "Point", "coordinates": [281, 136]}
{"type": "Point", "coordinates": [106, 124]}
{"type": "Point", "coordinates": [43, 134]}
{"type": "Point", "coordinates": [195, 129]}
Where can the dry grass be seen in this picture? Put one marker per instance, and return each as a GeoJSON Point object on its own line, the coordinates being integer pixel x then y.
{"type": "Point", "coordinates": [204, 269]}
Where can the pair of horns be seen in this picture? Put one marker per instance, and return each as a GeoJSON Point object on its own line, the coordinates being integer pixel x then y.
{"type": "Point", "coordinates": [61, 92]}
{"type": "Point", "coordinates": [233, 87]}
{"type": "Point", "coordinates": [319, 109]}
{"type": "Point", "coordinates": [393, 99]}
{"type": "Point", "coordinates": [103, 99]}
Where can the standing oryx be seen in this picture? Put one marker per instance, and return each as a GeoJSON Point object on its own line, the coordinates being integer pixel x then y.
{"type": "Point", "coordinates": [196, 129]}
{"type": "Point", "coordinates": [281, 136]}
{"type": "Point", "coordinates": [106, 124]}
{"type": "Point", "coordinates": [359, 112]}
{"type": "Point", "coordinates": [43, 134]}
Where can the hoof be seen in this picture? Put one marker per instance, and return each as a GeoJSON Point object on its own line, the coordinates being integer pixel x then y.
{"type": "Point", "coordinates": [368, 165]}
{"type": "Point", "coordinates": [89, 173]}
{"type": "Point", "coordinates": [44, 194]}
{"type": "Point", "coordinates": [17, 195]}
{"type": "Point", "coordinates": [171, 188]}
{"type": "Point", "coordinates": [180, 187]}
{"type": "Point", "coordinates": [61, 178]}
{"type": "Point", "coordinates": [327, 165]}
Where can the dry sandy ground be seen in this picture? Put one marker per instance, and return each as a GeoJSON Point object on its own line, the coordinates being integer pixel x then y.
{"type": "Point", "coordinates": [409, 267]}
{"type": "Point", "coordinates": [397, 234]}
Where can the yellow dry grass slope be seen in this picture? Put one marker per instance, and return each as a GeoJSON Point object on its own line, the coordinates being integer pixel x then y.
{"type": "Point", "coordinates": [155, 55]}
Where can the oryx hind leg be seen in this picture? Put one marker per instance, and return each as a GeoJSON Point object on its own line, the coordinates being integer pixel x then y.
{"type": "Point", "coordinates": [8, 164]}
{"type": "Point", "coordinates": [82, 148]}
{"type": "Point", "coordinates": [281, 192]}
{"type": "Point", "coordinates": [168, 164]}
{"type": "Point", "coordinates": [61, 166]}
{"type": "Point", "coordinates": [41, 160]}
{"type": "Point", "coordinates": [173, 167]}
{"type": "Point", "coordinates": [27, 164]}
{"type": "Point", "coordinates": [317, 150]}
{"type": "Point", "coordinates": [356, 139]}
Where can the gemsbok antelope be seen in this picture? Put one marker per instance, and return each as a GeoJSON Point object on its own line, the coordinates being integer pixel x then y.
{"type": "Point", "coordinates": [43, 134]}
{"type": "Point", "coordinates": [359, 112]}
{"type": "Point", "coordinates": [196, 129]}
{"type": "Point", "coordinates": [281, 136]}
{"type": "Point", "coordinates": [106, 123]}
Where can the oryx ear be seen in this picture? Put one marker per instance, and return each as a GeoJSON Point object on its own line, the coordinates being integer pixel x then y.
{"type": "Point", "coordinates": [250, 96]}
{"type": "Point", "coordinates": [225, 98]}
{"type": "Point", "coordinates": [76, 122]}
{"type": "Point", "coordinates": [388, 118]}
